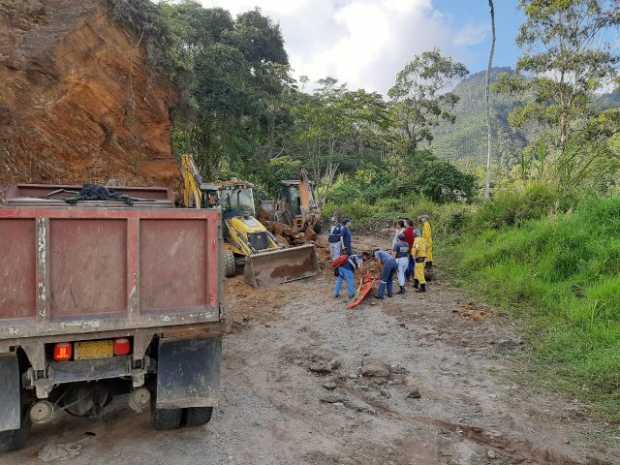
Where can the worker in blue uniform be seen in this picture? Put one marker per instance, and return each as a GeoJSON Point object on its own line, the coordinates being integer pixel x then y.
{"type": "Point", "coordinates": [387, 275]}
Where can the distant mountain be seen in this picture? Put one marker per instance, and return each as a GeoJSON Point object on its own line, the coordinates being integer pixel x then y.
{"type": "Point", "coordinates": [466, 139]}
{"type": "Point", "coordinates": [607, 101]}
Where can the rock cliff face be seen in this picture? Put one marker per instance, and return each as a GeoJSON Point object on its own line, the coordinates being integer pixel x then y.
{"type": "Point", "coordinates": [79, 101]}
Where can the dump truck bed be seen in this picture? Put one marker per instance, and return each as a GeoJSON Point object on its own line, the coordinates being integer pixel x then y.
{"type": "Point", "coordinates": [84, 270]}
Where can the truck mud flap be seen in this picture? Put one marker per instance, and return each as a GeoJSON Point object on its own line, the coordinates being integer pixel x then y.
{"type": "Point", "coordinates": [188, 373]}
{"type": "Point", "coordinates": [10, 394]}
{"type": "Point", "coordinates": [281, 266]}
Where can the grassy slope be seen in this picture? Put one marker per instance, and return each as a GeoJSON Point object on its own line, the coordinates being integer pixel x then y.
{"type": "Point", "coordinates": [562, 274]}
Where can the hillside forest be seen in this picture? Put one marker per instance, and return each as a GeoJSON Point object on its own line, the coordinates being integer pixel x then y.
{"type": "Point", "coordinates": [545, 247]}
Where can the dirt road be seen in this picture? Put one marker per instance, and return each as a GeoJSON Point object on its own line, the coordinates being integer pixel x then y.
{"type": "Point", "coordinates": [414, 380]}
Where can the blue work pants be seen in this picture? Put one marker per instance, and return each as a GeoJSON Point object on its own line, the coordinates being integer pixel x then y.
{"type": "Point", "coordinates": [389, 269]}
{"type": "Point", "coordinates": [345, 274]}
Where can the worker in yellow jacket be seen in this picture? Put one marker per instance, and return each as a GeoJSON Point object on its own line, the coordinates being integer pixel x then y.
{"type": "Point", "coordinates": [419, 251]}
{"type": "Point", "coordinates": [427, 234]}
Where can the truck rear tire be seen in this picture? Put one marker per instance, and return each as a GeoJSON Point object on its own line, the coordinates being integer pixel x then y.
{"type": "Point", "coordinates": [230, 266]}
{"type": "Point", "coordinates": [198, 416]}
{"type": "Point", "coordinates": [166, 419]}
{"type": "Point", "coordinates": [15, 439]}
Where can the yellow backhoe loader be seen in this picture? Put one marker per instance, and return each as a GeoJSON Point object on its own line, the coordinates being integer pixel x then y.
{"type": "Point", "coordinates": [247, 242]}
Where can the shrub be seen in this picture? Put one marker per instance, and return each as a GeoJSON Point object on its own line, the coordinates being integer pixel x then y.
{"type": "Point", "coordinates": [512, 208]}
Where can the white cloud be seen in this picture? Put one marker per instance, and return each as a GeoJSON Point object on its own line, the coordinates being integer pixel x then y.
{"type": "Point", "coordinates": [361, 42]}
{"type": "Point", "coordinates": [471, 34]}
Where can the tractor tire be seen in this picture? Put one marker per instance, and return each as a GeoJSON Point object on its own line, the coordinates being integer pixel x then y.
{"type": "Point", "coordinates": [166, 419]}
{"type": "Point", "coordinates": [230, 266]}
{"type": "Point", "coordinates": [198, 416]}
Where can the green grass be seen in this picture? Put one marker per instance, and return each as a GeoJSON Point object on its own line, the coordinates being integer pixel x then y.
{"type": "Point", "coordinates": [561, 274]}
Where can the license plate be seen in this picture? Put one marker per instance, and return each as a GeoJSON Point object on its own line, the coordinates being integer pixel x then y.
{"type": "Point", "coordinates": [93, 350]}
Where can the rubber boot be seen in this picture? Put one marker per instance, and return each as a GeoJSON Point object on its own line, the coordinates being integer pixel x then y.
{"type": "Point", "coordinates": [402, 290]}
{"type": "Point", "coordinates": [422, 288]}
{"type": "Point", "coordinates": [416, 283]}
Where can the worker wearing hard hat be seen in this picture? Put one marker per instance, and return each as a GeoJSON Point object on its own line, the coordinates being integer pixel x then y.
{"type": "Point", "coordinates": [419, 251]}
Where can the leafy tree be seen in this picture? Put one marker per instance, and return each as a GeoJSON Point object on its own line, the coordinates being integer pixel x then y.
{"type": "Point", "coordinates": [235, 75]}
{"type": "Point", "coordinates": [419, 100]}
{"type": "Point", "coordinates": [442, 182]}
{"type": "Point", "coordinates": [592, 158]}
{"type": "Point", "coordinates": [195, 28]}
{"type": "Point", "coordinates": [337, 128]}
{"type": "Point", "coordinates": [567, 59]}
{"type": "Point", "coordinates": [259, 38]}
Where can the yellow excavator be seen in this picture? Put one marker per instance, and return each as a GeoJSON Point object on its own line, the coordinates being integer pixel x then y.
{"type": "Point", "coordinates": [248, 243]}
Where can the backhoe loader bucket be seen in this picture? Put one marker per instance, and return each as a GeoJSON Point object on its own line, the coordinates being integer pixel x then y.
{"type": "Point", "coordinates": [281, 266]}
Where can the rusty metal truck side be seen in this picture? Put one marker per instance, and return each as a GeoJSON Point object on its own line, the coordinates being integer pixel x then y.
{"type": "Point", "coordinates": [84, 278]}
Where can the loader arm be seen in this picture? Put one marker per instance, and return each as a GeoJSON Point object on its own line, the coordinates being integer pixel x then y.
{"type": "Point", "coordinates": [192, 195]}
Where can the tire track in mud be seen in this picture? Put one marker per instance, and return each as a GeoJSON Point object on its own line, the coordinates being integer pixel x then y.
{"type": "Point", "coordinates": [519, 450]}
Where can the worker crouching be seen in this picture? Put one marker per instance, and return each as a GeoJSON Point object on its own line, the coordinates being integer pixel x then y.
{"type": "Point", "coordinates": [419, 251]}
{"type": "Point", "coordinates": [387, 274]}
{"type": "Point", "coordinates": [346, 272]}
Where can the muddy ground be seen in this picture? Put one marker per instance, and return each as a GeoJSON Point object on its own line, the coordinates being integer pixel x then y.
{"type": "Point", "coordinates": [422, 380]}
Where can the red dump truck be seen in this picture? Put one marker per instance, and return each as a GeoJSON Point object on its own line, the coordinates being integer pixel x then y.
{"type": "Point", "coordinates": [110, 297]}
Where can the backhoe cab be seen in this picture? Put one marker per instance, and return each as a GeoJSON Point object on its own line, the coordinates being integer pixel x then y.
{"type": "Point", "coordinates": [298, 206]}
{"type": "Point", "coordinates": [295, 215]}
{"type": "Point", "coordinates": [244, 234]}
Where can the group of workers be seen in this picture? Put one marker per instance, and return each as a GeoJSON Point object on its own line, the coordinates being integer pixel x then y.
{"type": "Point", "coordinates": [411, 255]}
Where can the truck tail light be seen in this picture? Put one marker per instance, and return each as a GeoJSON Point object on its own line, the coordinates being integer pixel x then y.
{"type": "Point", "coordinates": [122, 347]}
{"type": "Point", "coordinates": [63, 351]}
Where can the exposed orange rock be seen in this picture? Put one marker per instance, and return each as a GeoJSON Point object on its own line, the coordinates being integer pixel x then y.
{"type": "Point", "coordinates": [79, 101]}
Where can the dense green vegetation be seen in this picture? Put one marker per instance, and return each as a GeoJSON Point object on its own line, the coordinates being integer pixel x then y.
{"type": "Point", "coordinates": [546, 247]}
{"type": "Point", "coordinates": [561, 272]}
{"type": "Point", "coordinates": [241, 113]}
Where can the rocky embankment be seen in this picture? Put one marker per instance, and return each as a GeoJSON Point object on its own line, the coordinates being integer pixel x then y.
{"type": "Point", "coordinates": [79, 101]}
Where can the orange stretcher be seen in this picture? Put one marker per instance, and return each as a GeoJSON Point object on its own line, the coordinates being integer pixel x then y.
{"type": "Point", "coordinates": [365, 288]}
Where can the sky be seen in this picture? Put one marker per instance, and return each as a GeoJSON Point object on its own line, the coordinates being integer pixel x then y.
{"type": "Point", "coordinates": [364, 43]}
